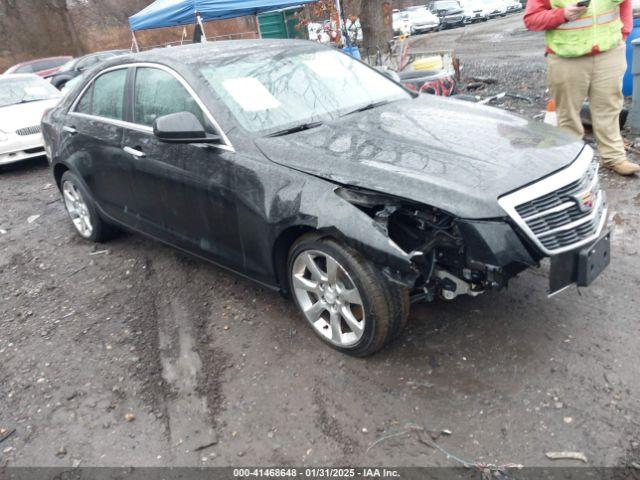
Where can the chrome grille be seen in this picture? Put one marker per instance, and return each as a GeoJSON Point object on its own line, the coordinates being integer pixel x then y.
{"type": "Point", "coordinates": [563, 211]}
{"type": "Point", "coordinates": [28, 131]}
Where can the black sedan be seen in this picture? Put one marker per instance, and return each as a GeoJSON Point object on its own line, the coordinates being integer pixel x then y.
{"type": "Point", "coordinates": [305, 170]}
{"type": "Point", "coordinates": [76, 66]}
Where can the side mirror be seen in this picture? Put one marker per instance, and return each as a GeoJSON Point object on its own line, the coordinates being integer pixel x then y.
{"type": "Point", "coordinates": [181, 127]}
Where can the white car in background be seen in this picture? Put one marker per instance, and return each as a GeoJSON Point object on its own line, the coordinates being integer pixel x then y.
{"type": "Point", "coordinates": [475, 11]}
{"type": "Point", "coordinates": [421, 20]}
{"type": "Point", "coordinates": [512, 6]}
{"type": "Point", "coordinates": [24, 98]}
{"type": "Point", "coordinates": [401, 24]}
{"type": "Point", "coordinates": [496, 8]}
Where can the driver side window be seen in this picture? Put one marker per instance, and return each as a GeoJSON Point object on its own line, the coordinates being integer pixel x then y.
{"type": "Point", "coordinates": [158, 93]}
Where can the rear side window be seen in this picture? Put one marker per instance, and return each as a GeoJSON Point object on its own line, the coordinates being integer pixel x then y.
{"type": "Point", "coordinates": [105, 97]}
{"type": "Point", "coordinates": [49, 63]}
{"type": "Point", "coordinates": [25, 68]}
{"type": "Point", "coordinates": [159, 93]}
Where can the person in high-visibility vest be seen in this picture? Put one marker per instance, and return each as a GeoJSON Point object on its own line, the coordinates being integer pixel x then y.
{"type": "Point", "coordinates": [586, 59]}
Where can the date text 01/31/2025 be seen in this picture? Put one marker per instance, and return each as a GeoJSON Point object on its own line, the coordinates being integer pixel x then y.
{"type": "Point", "coordinates": [315, 473]}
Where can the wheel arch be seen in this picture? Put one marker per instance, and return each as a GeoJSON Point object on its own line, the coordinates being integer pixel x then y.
{"type": "Point", "coordinates": [281, 248]}
{"type": "Point", "coordinates": [58, 171]}
{"type": "Point", "coordinates": [289, 236]}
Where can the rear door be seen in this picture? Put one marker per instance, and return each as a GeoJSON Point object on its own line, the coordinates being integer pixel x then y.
{"type": "Point", "coordinates": [185, 192]}
{"type": "Point", "coordinates": [93, 132]}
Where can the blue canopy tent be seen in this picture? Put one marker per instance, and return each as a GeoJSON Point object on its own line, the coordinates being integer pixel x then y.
{"type": "Point", "coordinates": [172, 13]}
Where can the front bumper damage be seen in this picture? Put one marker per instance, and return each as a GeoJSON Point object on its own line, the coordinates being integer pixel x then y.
{"type": "Point", "coordinates": [434, 254]}
{"type": "Point", "coordinates": [561, 217]}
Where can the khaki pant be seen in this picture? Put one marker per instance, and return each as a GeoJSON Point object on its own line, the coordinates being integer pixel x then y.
{"type": "Point", "coordinates": [598, 78]}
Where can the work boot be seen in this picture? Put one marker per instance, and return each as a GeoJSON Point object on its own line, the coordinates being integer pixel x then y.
{"type": "Point", "coordinates": [625, 168]}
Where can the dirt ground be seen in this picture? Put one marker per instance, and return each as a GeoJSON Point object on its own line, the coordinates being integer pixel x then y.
{"type": "Point", "coordinates": [129, 353]}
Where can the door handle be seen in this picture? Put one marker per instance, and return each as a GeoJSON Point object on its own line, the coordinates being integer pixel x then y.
{"type": "Point", "coordinates": [70, 130]}
{"type": "Point", "coordinates": [134, 152]}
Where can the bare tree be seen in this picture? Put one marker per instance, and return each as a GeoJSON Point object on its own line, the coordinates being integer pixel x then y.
{"type": "Point", "coordinates": [61, 9]}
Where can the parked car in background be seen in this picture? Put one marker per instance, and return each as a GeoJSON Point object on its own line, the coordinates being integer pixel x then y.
{"type": "Point", "coordinates": [449, 12]}
{"type": "Point", "coordinates": [42, 67]}
{"type": "Point", "coordinates": [75, 67]}
{"type": "Point", "coordinates": [24, 97]}
{"type": "Point", "coordinates": [513, 6]}
{"type": "Point", "coordinates": [421, 20]}
{"type": "Point", "coordinates": [474, 11]}
{"type": "Point", "coordinates": [343, 190]}
{"type": "Point", "coordinates": [496, 8]}
{"type": "Point", "coordinates": [401, 24]}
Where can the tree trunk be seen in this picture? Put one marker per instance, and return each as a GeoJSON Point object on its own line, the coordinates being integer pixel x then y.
{"type": "Point", "coordinates": [73, 33]}
{"type": "Point", "coordinates": [377, 27]}
{"type": "Point", "coordinates": [69, 31]}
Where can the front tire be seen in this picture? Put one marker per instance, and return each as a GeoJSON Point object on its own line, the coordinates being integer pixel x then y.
{"type": "Point", "coordinates": [82, 211]}
{"type": "Point", "coordinates": [344, 297]}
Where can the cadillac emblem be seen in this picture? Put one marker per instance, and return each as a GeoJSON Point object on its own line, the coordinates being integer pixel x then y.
{"type": "Point", "coordinates": [586, 201]}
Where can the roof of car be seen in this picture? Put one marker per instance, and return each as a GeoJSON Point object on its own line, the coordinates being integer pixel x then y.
{"type": "Point", "coordinates": [36, 60]}
{"type": "Point", "coordinates": [196, 53]}
{"type": "Point", "coordinates": [25, 76]}
{"type": "Point", "coordinates": [103, 52]}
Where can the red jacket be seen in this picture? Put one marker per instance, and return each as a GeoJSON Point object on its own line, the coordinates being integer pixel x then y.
{"type": "Point", "coordinates": [540, 16]}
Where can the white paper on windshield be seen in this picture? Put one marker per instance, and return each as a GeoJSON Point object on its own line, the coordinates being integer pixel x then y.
{"type": "Point", "coordinates": [35, 91]}
{"type": "Point", "coordinates": [251, 94]}
{"type": "Point", "coordinates": [326, 65]}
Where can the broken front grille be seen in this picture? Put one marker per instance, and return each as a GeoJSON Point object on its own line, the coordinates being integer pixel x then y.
{"type": "Point", "coordinates": [563, 211]}
{"type": "Point", "coordinates": [28, 131]}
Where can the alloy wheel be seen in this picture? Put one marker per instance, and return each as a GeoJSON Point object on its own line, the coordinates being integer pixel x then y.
{"type": "Point", "coordinates": [328, 298]}
{"type": "Point", "coordinates": [77, 208]}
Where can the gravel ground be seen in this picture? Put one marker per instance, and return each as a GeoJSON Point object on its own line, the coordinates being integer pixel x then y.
{"type": "Point", "coordinates": [129, 353]}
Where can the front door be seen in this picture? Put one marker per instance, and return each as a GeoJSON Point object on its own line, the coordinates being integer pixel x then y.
{"type": "Point", "coordinates": [185, 192]}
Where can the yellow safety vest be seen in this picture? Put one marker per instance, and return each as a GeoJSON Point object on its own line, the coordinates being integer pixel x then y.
{"type": "Point", "coordinates": [599, 30]}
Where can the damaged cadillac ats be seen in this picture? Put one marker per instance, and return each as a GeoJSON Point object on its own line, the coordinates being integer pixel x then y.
{"type": "Point", "coordinates": [303, 169]}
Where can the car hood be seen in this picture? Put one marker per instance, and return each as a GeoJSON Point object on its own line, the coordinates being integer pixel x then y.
{"type": "Point", "coordinates": [24, 115]}
{"type": "Point", "coordinates": [450, 154]}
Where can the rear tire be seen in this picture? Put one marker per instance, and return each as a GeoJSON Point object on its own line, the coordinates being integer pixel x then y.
{"type": "Point", "coordinates": [344, 297]}
{"type": "Point", "coordinates": [82, 210]}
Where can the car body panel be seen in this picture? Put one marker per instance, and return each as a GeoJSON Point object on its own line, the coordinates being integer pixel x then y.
{"type": "Point", "coordinates": [461, 166]}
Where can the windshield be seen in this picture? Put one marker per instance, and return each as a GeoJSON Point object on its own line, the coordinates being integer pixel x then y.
{"type": "Point", "coordinates": [23, 90]}
{"type": "Point", "coordinates": [268, 94]}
